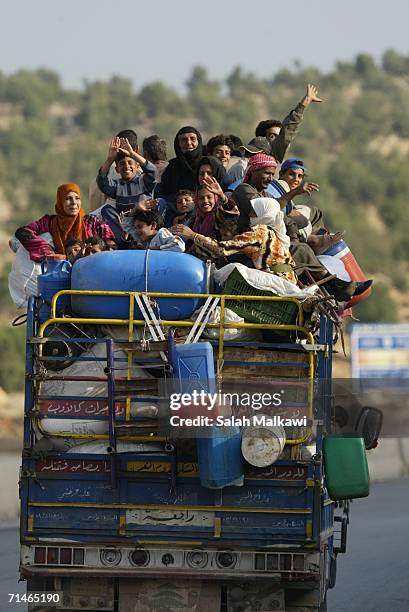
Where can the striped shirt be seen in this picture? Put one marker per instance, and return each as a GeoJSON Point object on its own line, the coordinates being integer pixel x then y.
{"type": "Point", "coordinates": [128, 193]}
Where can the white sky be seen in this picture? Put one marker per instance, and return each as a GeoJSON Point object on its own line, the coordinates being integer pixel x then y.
{"type": "Point", "coordinates": [162, 40]}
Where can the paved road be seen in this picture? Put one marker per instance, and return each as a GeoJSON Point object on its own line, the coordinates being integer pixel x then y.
{"type": "Point", "coordinates": [372, 577]}
{"type": "Point", "coordinates": [9, 560]}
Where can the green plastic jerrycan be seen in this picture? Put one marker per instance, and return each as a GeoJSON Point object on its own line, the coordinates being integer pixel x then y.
{"type": "Point", "coordinates": [346, 467]}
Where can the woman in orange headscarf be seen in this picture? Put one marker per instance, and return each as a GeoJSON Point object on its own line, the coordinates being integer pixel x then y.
{"type": "Point", "coordinates": [69, 223]}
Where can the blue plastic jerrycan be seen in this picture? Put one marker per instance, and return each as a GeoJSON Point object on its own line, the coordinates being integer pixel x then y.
{"type": "Point", "coordinates": [56, 276]}
{"type": "Point", "coordinates": [219, 450]}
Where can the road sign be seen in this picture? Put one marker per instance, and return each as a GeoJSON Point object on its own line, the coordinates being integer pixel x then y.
{"type": "Point", "coordinates": [380, 351]}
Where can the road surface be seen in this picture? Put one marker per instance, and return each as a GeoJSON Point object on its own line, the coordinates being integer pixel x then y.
{"type": "Point", "coordinates": [373, 576]}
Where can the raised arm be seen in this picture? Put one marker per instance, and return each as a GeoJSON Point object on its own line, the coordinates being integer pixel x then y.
{"type": "Point", "coordinates": [292, 122]}
{"type": "Point", "coordinates": [300, 190]}
{"type": "Point", "coordinates": [106, 184]}
{"type": "Point", "coordinates": [150, 174]}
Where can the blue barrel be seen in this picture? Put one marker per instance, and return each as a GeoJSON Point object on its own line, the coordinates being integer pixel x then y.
{"type": "Point", "coordinates": [56, 276]}
{"type": "Point", "coordinates": [219, 450]}
{"type": "Point", "coordinates": [156, 271]}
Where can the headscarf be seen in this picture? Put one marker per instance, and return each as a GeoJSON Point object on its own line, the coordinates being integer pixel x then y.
{"type": "Point", "coordinates": [63, 226]}
{"type": "Point", "coordinates": [218, 170]}
{"type": "Point", "coordinates": [181, 171]}
{"type": "Point", "coordinates": [204, 221]}
{"type": "Point", "coordinates": [189, 159]}
{"type": "Point", "coordinates": [257, 162]}
{"type": "Point", "coordinates": [268, 212]}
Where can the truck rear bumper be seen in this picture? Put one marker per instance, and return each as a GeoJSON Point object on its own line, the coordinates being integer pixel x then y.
{"type": "Point", "coordinates": [30, 572]}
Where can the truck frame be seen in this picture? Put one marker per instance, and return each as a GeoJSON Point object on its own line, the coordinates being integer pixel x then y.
{"type": "Point", "coordinates": [135, 531]}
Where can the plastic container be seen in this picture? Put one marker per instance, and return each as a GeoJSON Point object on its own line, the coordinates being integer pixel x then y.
{"type": "Point", "coordinates": [193, 368]}
{"type": "Point", "coordinates": [220, 459]}
{"type": "Point", "coordinates": [274, 312]}
{"type": "Point", "coordinates": [154, 271]}
{"type": "Point", "coordinates": [346, 467]}
{"type": "Point", "coordinates": [219, 453]}
{"type": "Point", "coordinates": [56, 276]}
{"type": "Point", "coordinates": [262, 445]}
{"type": "Point", "coordinates": [341, 251]}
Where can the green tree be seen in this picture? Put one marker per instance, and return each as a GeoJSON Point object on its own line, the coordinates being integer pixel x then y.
{"type": "Point", "coordinates": [394, 63]}
{"type": "Point", "coordinates": [13, 362]}
{"type": "Point", "coordinates": [159, 99]}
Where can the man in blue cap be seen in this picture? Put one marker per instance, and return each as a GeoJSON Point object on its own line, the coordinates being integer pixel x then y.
{"type": "Point", "coordinates": [292, 173]}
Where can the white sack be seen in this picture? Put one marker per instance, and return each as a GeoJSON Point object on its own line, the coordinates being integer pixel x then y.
{"type": "Point", "coordinates": [265, 281]}
{"type": "Point", "coordinates": [23, 275]}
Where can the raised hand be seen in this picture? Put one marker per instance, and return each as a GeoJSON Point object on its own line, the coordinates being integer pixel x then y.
{"type": "Point", "coordinates": [213, 186]}
{"type": "Point", "coordinates": [306, 188]}
{"type": "Point", "coordinates": [126, 148]}
{"type": "Point", "coordinates": [311, 95]}
{"type": "Point", "coordinates": [114, 148]}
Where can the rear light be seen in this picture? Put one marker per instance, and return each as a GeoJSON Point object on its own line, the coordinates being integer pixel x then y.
{"type": "Point", "coordinates": [78, 556]}
{"type": "Point", "coordinates": [66, 556]}
{"type": "Point", "coordinates": [285, 562]}
{"type": "Point", "coordinates": [298, 563]}
{"type": "Point", "coordinates": [139, 557]}
{"type": "Point", "coordinates": [39, 555]}
{"type": "Point", "coordinates": [52, 556]}
{"type": "Point", "coordinates": [226, 560]}
{"type": "Point", "coordinates": [273, 562]}
{"type": "Point", "coordinates": [110, 556]}
{"type": "Point", "coordinates": [260, 562]}
{"type": "Point", "coordinates": [55, 556]}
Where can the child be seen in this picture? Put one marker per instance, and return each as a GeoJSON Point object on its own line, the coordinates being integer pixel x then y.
{"type": "Point", "coordinates": [110, 244]}
{"type": "Point", "coordinates": [149, 235]}
{"type": "Point", "coordinates": [132, 185]}
{"type": "Point", "coordinates": [207, 203]}
{"type": "Point", "coordinates": [74, 249]}
{"type": "Point", "coordinates": [93, 245]}
{"type": "Point", "coordinates": [185, 204]}
{"type": "Point", "coordinates": [206, 207]}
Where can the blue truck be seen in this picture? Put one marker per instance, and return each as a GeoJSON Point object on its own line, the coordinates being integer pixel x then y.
{"type": "Point", "coordinates": [114, 513]}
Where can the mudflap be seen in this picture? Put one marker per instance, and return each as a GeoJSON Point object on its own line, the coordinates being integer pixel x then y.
{"type": "Point", "coordinates": [255, 596]}
{"type": "Point", "coordinates": [168, 596]}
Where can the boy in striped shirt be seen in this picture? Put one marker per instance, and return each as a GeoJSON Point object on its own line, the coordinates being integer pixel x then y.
{"type": "Point", "coordinates": [133, 185]}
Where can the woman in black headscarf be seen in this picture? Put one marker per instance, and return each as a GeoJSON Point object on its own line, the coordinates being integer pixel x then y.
{"type": "Point", "coordinates": [182, 169]}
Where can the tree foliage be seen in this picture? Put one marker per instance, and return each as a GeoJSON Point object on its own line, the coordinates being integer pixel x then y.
{"type": "Point", "coordinates": [355, 145]}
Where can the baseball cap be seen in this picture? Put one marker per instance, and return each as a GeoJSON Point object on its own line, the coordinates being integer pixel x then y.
{"type": "Point", "coordinates": [293, 164]}
{"type": "Point", "coordinates": [259, 144]}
